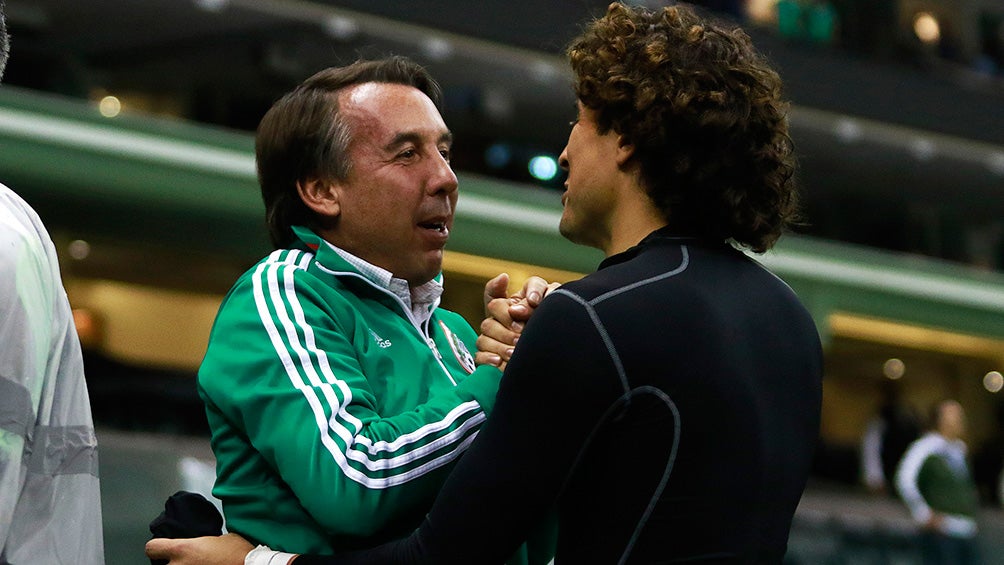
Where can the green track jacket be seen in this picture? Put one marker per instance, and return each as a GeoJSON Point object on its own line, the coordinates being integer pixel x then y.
{"type": "Point", "coordinates": [335, 419]}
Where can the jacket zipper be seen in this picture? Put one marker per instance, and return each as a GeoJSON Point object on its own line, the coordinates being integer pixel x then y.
{"type": "Point", "coordinates": [439, 358]}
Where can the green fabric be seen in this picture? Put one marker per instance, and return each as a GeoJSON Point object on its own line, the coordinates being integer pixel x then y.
{"type": "Point", "coordinates": [946, 490]}
{"type": "Point", "coordinates": [334, 422]}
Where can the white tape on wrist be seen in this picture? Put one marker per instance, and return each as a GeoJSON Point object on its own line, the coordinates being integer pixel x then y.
{"type": "Point", "coordinates": [263, 555]}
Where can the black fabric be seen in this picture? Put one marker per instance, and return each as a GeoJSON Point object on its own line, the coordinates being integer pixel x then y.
{"type": "Point", "coordinates": [668, 405]}
{"type": "Point", "coordinates": [186, 515]}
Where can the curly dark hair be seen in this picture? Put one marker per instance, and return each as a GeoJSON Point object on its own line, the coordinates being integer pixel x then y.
{"type": "Point", "coordinates": [705, 115]}
{"type": "Point", "coordinates": [303, 135]}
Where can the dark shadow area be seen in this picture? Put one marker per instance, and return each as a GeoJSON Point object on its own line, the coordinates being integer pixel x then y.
{"type": "Point", "coordinates": [135, 398]}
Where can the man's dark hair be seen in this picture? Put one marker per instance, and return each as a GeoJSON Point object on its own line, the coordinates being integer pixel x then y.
{"type": "Point", "coordinates": [303, 136]}
{"type": "Point", "coordinates": [705, 115]}
{"type": "Point", "coordinates": [4, 39]}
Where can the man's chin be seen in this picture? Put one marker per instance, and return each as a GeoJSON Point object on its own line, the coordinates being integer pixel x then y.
{"type": "Point", "coordinates": [577, 235]}
{"type": "Point", "coordinates": [567, 230]}
{"type": "Point", "coordinates": [429, 270]}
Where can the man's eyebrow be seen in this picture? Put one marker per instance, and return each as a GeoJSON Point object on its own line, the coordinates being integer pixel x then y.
{"type": "Point", "coordinates": [416, 138]}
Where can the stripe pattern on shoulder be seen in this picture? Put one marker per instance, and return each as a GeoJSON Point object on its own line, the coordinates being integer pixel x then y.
{"type": "Point", "coordinates": [375, 465]}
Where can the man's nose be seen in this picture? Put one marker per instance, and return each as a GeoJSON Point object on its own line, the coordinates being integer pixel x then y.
{"type": "Point", "coordinates": [443, 178]}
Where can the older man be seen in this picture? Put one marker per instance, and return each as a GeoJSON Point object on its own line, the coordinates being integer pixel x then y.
{"type": "Point", "coordinates": [338, 392]}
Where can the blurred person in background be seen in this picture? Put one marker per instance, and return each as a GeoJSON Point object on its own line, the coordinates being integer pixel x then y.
{"type": "Point", "coordinates": [935, 482]}
{"type": "Point", "coordinates": [338, 392]}
{"type": "Point", "coordinates": [50, 506]}
{"type": "Point", "coordinates": [668, 405]}
{"type": "Point", "coordinates": [886, 438]}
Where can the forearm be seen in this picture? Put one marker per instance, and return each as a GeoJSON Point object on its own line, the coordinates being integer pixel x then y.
{"type": "Point", "coordinates": [386, 472]}
{"type": "Point", "coordinates": [906, 485]}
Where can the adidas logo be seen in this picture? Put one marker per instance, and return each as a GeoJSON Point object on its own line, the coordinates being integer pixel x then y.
{"type": "Point", "coordinates": [383, 343]}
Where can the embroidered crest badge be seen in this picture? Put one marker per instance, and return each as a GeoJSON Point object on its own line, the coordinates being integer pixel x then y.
{"type": "Point", "coordinates": [460, 350]}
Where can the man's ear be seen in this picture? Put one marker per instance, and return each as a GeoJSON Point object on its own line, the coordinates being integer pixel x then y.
{"type": "Point", "coordinates": [625, 150]}
{"type": "Point", "coordinates": [321, 196]}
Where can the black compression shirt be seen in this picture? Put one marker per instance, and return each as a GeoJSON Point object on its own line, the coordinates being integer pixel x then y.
{"type": "Point", "coordinates": [666, 406]}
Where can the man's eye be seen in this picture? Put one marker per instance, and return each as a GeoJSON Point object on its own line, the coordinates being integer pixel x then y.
{"type": "Point", "coordinates": [446, 154]}
{"type": "Point", "coordinates": [407, 153]}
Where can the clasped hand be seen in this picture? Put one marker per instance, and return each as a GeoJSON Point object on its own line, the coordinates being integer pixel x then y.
{"type": "Point", "coordinates": [506, 316]}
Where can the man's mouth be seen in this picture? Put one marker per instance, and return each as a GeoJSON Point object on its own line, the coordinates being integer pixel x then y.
{"type": "Point", "coordinates": [436, 226]}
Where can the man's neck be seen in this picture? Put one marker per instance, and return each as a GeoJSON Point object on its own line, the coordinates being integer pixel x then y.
{"type": "Point", "coordinates": [949, 436]}
{"type": "Point", "coordinates": [634, 218]}
{"type": "Point", "coordinates": [414, 296]}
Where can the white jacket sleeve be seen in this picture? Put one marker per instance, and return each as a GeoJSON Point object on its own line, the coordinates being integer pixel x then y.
{"type": "Point", "coordinates": [906, 477]}
{"type": "Point", "coordinates": [50, 510]}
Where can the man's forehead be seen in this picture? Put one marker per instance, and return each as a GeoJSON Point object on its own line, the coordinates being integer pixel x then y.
{"type": "Point", "coordinates": [381, 97]}
{"type": "Point", "coordinates": [365, 93]}
{"type": "Point", "coordinates": [387, 102]}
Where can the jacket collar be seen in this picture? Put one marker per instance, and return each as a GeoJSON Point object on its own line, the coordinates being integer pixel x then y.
{"type": "Point", "coordinates": [421, 301]}
{"type": "Point", "coordinates": [662, 236]}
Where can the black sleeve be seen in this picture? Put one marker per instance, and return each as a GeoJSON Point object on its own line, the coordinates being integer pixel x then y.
{"type": "Point", "coordinates": [560, 382]}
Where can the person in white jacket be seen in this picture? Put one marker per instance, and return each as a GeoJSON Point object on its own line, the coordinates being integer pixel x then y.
{"type": "Point", "coordinates": [937, 486]}
{"type": "Point", "coordinates": [50, 507]}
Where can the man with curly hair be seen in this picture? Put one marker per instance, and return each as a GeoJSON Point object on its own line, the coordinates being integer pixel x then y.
{"type": "Point", "coordinates": [666, 406]}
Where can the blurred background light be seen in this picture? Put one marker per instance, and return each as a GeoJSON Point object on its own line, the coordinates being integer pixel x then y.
{"type": "Point", "coordinates": [762, 11]}
{"type": "Point", "coordinates": [543, 167]}
{"type": "Point", "coordinates": [894, 368]}
{"type": "Point", "coordinates": [923, 149]}
{"type": "Point", "coordinates": [110, 106]}
{"type": "Point", "coordinates": [79, 249]}
{"type": "Point", "coordinates": [437, 48]}
{"type": "Point", "coordinates": [543, 72]}
{"type": "Point", "coordinates": [996, 163]}
{"type": "Point", "coordinates": [341, 28]}
{"type": "Point", "coordinates": [993, 381]}
{"type": "Point", "coordinates": [497, 104]}
{"type": "Point", "coordinates": [212, 5]}
{"type": "Point", "coordinates": [927, 28]}
{"type": "Point", "coordinates": [498, 155]}
{"type": "Point", "coordinates": [848, 130]}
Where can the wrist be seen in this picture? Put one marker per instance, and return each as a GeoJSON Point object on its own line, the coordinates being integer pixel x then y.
{"type": "Point", "coordinates": [263, 555]}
